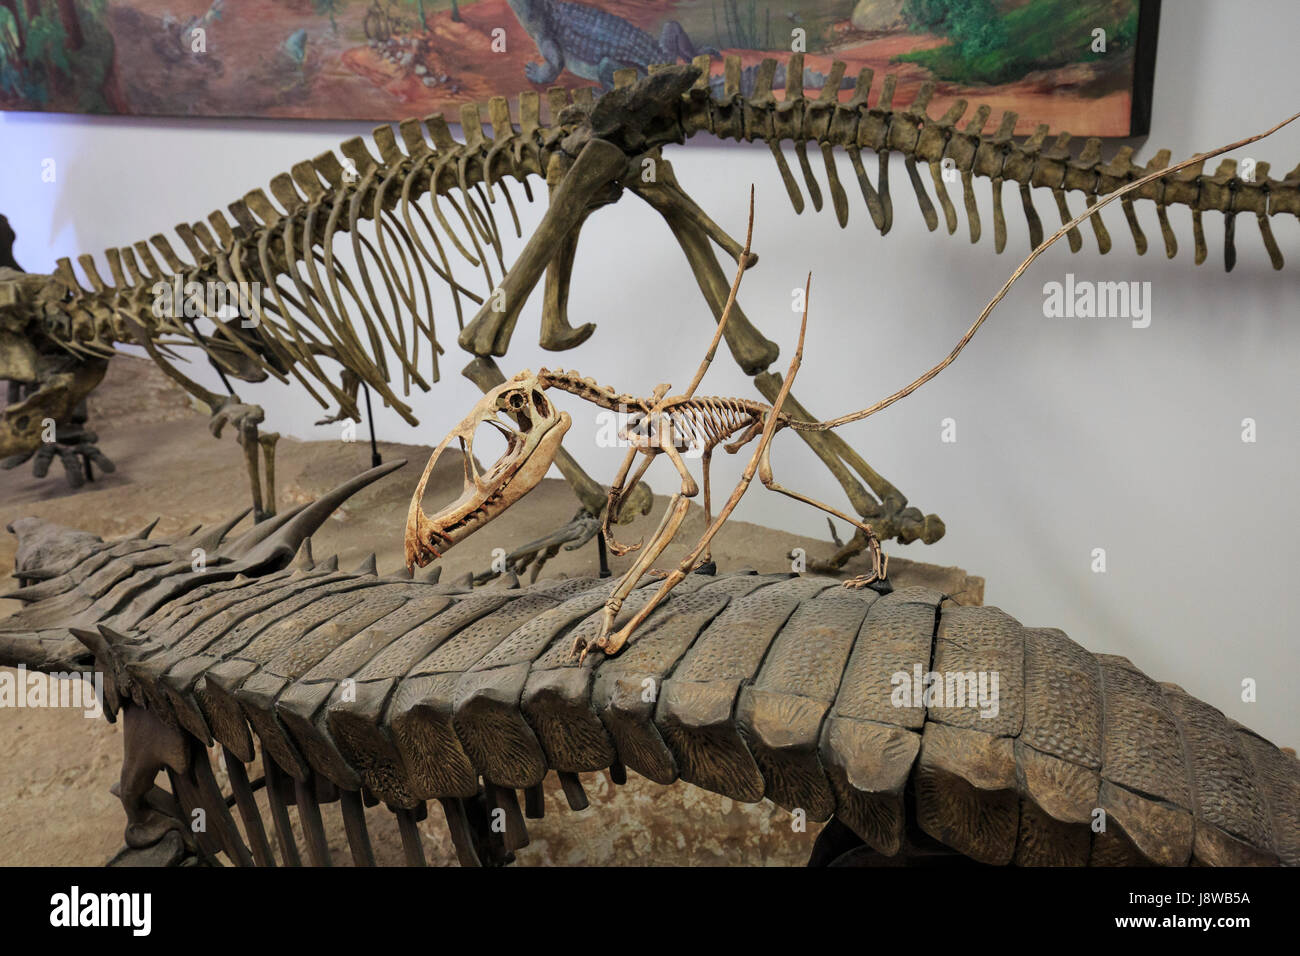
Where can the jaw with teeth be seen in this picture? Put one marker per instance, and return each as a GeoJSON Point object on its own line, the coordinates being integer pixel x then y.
{"type": "Point", "coordinates": [533, 429]}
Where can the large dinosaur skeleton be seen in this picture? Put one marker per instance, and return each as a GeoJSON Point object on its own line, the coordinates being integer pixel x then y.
{"type": "Point", "coordinates": [349, 688]}
{"type": "Point", "coordinates": [427, 199]}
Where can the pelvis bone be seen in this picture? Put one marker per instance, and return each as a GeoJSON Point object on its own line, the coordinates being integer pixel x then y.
{"type": "Point", "coordinates": [532, 441]}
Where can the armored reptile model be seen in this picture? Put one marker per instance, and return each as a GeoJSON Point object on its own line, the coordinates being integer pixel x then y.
{"type": "Point", "coordinates": [855, 705]}
{"type": "Point", "coordinates": [371, 316]}
{"type": "Point", "coordinates": [593, 43]}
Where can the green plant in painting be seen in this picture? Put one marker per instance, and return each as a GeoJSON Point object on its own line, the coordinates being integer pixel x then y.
{"type": "Point", "coordinates": [974, 26]}
{"type": "Point", "coordinates": [991, 44]}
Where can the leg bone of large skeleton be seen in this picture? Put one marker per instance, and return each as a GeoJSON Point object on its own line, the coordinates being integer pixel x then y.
{"type": "Point", "coordinates": [755, 353]}
{"type": "Point", "coordinates": [585, 182]}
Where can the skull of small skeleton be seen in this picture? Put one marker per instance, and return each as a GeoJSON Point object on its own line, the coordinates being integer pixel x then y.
{"type": "Point", "coordinates": [533, 429]}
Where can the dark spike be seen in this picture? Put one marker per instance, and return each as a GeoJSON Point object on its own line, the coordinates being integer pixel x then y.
{"type": "Point", "coordinates": [244, 800]}
{"type": "Point", "coordinates": [218, 813]}
{"type": "Point", "coordinates": [278, 787]}
{"type": "Point", "coordinates": [303, 560]}
{"type": "Point", "coordinates": [143, 533]}
{"type": "Point", "coordinates": [462, 834]}
{"type": "Point", "coordinates": [535, 802]}
{"type": "Point", "coordinates": [210, 539]}
{"type": "Point", "coordinates": [281, 540]}
{"type": "Point", "coordinates": [573, 791]}
{"type": "Point", "coordinates": [313, 828]}
{"type": "Point", "coordinates": [506, 581]}
{"type": "Point", "coordinates": [505, 800]}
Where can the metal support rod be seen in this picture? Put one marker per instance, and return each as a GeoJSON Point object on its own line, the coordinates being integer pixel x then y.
{"type": "Point", "coordinates": [604, 557]}
{"type": "Point", "coordinates": [375, 460]}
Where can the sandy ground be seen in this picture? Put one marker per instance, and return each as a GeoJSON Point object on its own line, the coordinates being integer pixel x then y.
{"type": "Point", "coordinates": [56, 766]}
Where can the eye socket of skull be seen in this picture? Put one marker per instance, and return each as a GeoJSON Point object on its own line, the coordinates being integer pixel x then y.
{"type": "Point", "coordinates": [515, 404]}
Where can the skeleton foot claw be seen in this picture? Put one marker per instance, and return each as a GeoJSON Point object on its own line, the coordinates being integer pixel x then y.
{"type": "Point", "coordinates": [861, 581]}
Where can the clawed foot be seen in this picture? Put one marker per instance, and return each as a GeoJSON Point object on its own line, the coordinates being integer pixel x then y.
{"type": "Point", "coordinates": [76, 455]}
{"type": "Point", "coordinates": [608, 644]}
{"type": "Point", "coordinates": [703, 567]}
{"type": "Point", "coordinates": [541, 73]}
{"type": "Point", "coordinates": [861, 581]}
{"type": "Point", "coordinates": [582, 527]}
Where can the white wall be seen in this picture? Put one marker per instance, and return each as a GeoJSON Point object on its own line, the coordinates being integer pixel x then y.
{"type": "Point", "coordinates": [1072, 434]}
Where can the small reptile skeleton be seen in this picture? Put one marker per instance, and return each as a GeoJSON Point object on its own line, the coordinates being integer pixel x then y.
{"type": "Point", "coordinates": [662, 424]}
{"type": "Point", "coordinates": [670, 425]}
{"type": "Point", "coordinates": [341, 261]}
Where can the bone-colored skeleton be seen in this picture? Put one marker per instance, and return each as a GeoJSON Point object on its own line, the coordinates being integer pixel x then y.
{"type": "Point", "coordinates": [665, 424]}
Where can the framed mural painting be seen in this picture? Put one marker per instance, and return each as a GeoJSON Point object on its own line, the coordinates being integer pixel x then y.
{"type": "Point", "coordinates": [1083, 65]}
